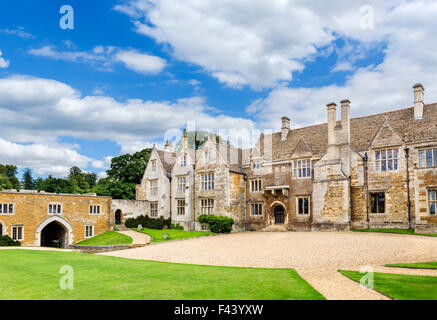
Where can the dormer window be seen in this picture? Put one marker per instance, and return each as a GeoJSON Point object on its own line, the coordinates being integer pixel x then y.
{"type": "Point", "coordinates": [207, 156]}
{"type": "Point", "coordinates": [256, 164]}
{"type": "Point", "coordinates": [386, 160]}
{"type": "Point", "coordinates": [153, 165]}
{"type": "Point", "coordinates": [183, 161]}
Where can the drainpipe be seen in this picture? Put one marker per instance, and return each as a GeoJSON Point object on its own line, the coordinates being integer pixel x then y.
{"type": "Point", "coordinates": [366, 184]}
{"type": "Point", "coordinates": [407, 155]}
{"type": "Point", "coordinates": [170, 178]}
{"type": "Point", "coordinates": [245, 201]}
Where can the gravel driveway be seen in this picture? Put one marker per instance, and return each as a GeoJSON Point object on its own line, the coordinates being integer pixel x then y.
{"type": "Point", "coordinates": [315, 255]}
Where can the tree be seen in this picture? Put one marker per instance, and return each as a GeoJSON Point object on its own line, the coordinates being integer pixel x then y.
{"type": "Point", "coordinates": [77, 180]}
{"type": "Point", "coordinates": [8, 179]}
{"type": "Point", "coordinates": [129, 168]}
{"type": "Point", "coordinates": [55, 185]}
{"type": "Point", "coordinates": [28, 182]}
{"type": "Point", "coordinates": [115, 189]}
{"type": "Point", "coordinates": [197, 138]}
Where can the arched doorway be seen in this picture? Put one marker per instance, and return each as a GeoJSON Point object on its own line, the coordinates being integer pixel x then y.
{"type": "Point", "coordinates": [54, 235]}
{"type": "Point", "coordinates": [279, 213]}
{"type": "Point", "coordinates": [118, 217]}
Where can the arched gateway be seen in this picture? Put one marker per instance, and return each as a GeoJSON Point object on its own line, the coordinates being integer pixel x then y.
{"type": "Point", "coordinates": [54, 232]}
{"type": "Point", "coordinates": [279, 213]}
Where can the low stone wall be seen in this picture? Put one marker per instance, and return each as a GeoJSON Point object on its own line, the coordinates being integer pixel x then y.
{"type": "Point", "coordinates": [330, 227]}
{"type": "Point", "coordinates": [97, 249]}
{"type": "Point", "coordinates": [426, 228]}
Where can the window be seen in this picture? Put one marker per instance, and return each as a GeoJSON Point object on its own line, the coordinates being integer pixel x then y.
{"type": "Point", "coordinates": [256, 209]}
{"type": "Point", "coordinates": [55, 208]}
{"type": "Point", "coordinates": [154, 209]}
{"type": "Point", "coordinates": [184, 161]}
{"type": "Point", "coordinates": [256, 185]}
{"type": "Point", "coordinates": [432, 201]}
{"type": "Point", "coordinates": [207, 156]}
{"type": "Point", "coordinates": [89, 231]}
{"type": "Point", "coordinates": [303, 205]}
{"type": "Point", "coordinates": [428, 158]}
{"type": "Point", "coordinates": [6, 208]}
{"type": "Point", "coordinates": [207, 181]}
{"type": "Point", "coordinates": [94, 209]}
{"type": "Point", "coordinates": [182, 183]}
{"type": "Point", "coordinates": [153, 165]}
{"type": "Point", "coordinates": [181, 207]}
{"type": "Point", "coordinates": [302, 169]}
{"type": "Point", "coordinates": [154, 187]}
{"type": "Point", "coordinates": [386, 160]}
{"type": "Point", "coordinates": [377, 202]}
{"type": "Point", "coordinates": [17, 233]}
{"type": "Point", "coordinates": [256, 164]}
{"type": "Point", "coordinates": [207, 206]}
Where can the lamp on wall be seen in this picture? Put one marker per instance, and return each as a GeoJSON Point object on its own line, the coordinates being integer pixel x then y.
{"type": "Point", "coordinates": [407, 156]}
{"type": "Point", "coordinates": [366, 169]}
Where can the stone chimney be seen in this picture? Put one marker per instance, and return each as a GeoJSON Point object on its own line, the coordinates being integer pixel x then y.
{"type": "Point", "coordinates": [168, 146]}
{"type": "Point", "coordinates": [332, 122]}
{"type": "Point", "coordinates": [345, 120]}
{"type": "Point", "coordinates": [185, 139]}
{"type": "Point", "coordinates": [285, 128]}
{"type": "Point", "coordinates": [418, 101]}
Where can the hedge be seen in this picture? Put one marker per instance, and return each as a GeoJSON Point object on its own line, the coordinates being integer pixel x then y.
{"type": "Point", "coordinates": [6, 241]}
{"type": "Point", "coordinates": [217, 224]}
{"type": "Point", "coordinates": [147, 222]}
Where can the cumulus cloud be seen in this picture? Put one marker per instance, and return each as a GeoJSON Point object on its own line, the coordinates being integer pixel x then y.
{"type": "Point", "coordinates": [18, 32]}
{"type": "Point", "coordinates": [105, 57]}
{"type": "Point", "coordinates": [3, 63]}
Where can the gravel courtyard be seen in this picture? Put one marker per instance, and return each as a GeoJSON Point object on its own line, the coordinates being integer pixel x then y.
{"type": "Point", "coordinates": [315, 255]}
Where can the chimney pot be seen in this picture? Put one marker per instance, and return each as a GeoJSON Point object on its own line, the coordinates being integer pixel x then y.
{"type": "Point", "coordinates": [285, 128]}
{"type": "Point", "coordinates": [418, 101]}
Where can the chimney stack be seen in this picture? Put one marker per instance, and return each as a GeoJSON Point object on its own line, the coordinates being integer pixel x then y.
{"type": "Point", "coordinates": [168, 146]}
{"type": "Point", "coordinates": [345, 119]}
{"type": "Point", "coordinates": [332, 122]}
{"type": "Point", "coordinates": [418, 101]}
{"type": "Point", "coordinates": [185, 139]}
{"type": "Point", "coordinates": [285, 128]}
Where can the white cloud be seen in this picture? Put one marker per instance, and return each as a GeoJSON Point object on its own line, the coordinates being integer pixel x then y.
{"type": "Point", "coordinates": [18, 32]}
{"type": "Point", "coordinates": [3, 63]}
{"type": "Point", "coordinates": [104, 58]}
{"type": "Point", "coordinates": [44, 159]}
{"type": "Point", "coordinates": [140, 62]}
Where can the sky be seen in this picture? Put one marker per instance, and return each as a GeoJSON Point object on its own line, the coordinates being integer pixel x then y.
{"type": "Point", "coordinates": [106, 77]}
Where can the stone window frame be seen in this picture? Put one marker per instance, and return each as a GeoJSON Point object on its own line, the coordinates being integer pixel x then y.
{"type": "Point", "coordinates": [8, 209]}
{"type": "Point", "coordinates": [207, 181]}
{"type": "Point", "coordinates": [379, 161]}
{"type": "Point", "coordinates": [371, 192]}
{"type": "Point", "coordinates": [154, 205]}
{"type": "Point", "coordinates": [58, 205]}
{"type": "Point", "coordinates": [180, 206]}
{"type": "Point", "coordinates": [95, 209]}
{"type": "Point", "coordinates": [182, 183]}
{"type": "Point", "coordinates": [86, 234]}
{"type": "Point", "coordinates": [429, 201]}
{"type": "Point", "coordinates": [299, 197]}
{"type": "Point", "coordinates": [256, 164]}
{"type": "Point", "coordinates": [22, 232]}
{"type": "Point", "coordinates": [304, 170]}
{"type": "Point", "coordinates": [424, 150]}
{"type": "Point", "coordinates": [184, 161]}
{"type": "Point", "coordinates": [207, 156]}
{"type": "Point", "coordinates": [153, 164]}
{"type": "Point", "coordinates": [256, 185]}
{"type": "Point", "coordinates": [257, 209]}
{"type": "Point", "coordinates": [153, 188]}
{"type": "Point", "coordinates": [207, 205]}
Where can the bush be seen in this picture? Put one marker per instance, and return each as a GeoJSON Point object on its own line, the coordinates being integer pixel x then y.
{"type": "Point", "coordinates": [177, 226]}
{"type": "Point", "coordinates": [147, 222]}
{"type": "Point", "coordinates": [217, 224]}
{"type": "Point", "coordinates": [6, 241]}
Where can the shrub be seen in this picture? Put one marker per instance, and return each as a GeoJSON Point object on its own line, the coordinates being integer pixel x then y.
{"type": "Point", "coordinates": [147, 222]}
{"type": "Point", "coordinates": [177, 226]}
{"type": "Point", "coordinates": [6, 241]}
{"type": "Point", "coordinates": [217, 224]}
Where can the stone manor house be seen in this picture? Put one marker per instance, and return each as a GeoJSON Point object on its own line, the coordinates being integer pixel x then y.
{"type": "Point", "coordinates": [378, 171]}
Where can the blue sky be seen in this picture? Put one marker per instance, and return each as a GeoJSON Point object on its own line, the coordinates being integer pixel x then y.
{"type": "Point", "coordinates": [132, 72]}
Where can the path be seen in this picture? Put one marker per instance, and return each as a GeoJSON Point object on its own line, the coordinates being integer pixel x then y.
{"type": "Point", "coordinates": [138, 238]}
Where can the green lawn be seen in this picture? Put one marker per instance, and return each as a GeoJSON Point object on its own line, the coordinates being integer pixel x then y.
{"type": "Point", "coordinates": [28, 274]}
{"type": "Point", "coordinates": [107, 239]}
{"type": "Point", "coordinates": [398, 231]}
{"type": "Point", "coordinates": [158, 235]}
{"type": "Point", "coordinates": [401, 287]}
{"type": "Point", "coordinates": [420, 265]}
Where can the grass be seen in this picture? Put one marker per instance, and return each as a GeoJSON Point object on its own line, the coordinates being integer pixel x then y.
{"type": "Point", "coordinates": [29, 274]}
{"type": "Point", "coordinates": [399, 286]}
{"type": "Point", "coordinates": [420, 265]}
{"type": "Point", "coordinates": [107, 239]}
{"type": "Point", "coordinates": [398, 231]}
{"type": "Point", "coordinates": [158, 235]}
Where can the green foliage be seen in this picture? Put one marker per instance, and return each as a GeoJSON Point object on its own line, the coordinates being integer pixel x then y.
{"type": "Point", "coordinates": [8, 179]}
{"type": "Point", "coordinates": [173, 234]}
{"type": "Point", "coordinates": [129, 168]}
{"type": "Point", "coordinates": [196, 139]}
{"type": "Point", "coordinates": [28, 183]}
{"type": "Point", "coordinates": [115, 189]}
{"type": "Point", "coordinates": [6, 241]}
{"type": "Point", "coordinates": [109, 238]}
{"type": "Point", "coordinates": [55, 185]}
{"type": "Point", "coordinates": [147, 222]}
{"type": "Point", "coordinates": [217, 224]}
{"type": "Point", "coordinates": [177, 226]}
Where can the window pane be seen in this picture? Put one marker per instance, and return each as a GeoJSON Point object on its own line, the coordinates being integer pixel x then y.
{"type": "Point", "coordinates": [435, 157]}
{"type": "Point", "coordinates": [395, 165]}
{"type": "Point", "coordinates": [381, 202]}
{"type": "Point", "coordinates": [432, 207]}
{"type": "Point", "coordinates": [395, 153]}
{"type": "Point", "coordinates": [377, 155]}
{"type": "Point", "coordinates": [300, 206]}
{"type": "Point", "coordinates": [305, 201]}
{"type": "Point", "coordinates": [390, 165]}
{"type": "Point", "coordinates": [429, 157]}
{"type": "Point", "coordinates": [432, 195]}
{"type": "Point", "coordinates": [373, 203]}
{"type": "Point", "coordinates": [11, 209]}
{"type": "Point", "coordinates": [389, 154]}
{"type": "Point", "coordinates": [383, 166]}
{"type": "Point", "coordinates": [383, 157]}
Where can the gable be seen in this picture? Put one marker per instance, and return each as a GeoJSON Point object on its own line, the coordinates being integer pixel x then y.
{"type": "Point", "coordinates": [302, 150]}
{"type": "Point", "coordinates": [386, 136]}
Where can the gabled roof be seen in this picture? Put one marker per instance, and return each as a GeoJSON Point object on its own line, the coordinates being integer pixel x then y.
{"type": "Point", "coordinates": [167, 159]}
{"type": "Point", "coordinates": [363, 130]}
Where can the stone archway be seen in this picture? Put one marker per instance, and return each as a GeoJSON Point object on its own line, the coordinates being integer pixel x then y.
{"type": "Point", "coordinates": [53, 229]}
{"type": "Point", "coordinates": [279, 214]}
{"type": "Point", "coordinates": [118, 216]}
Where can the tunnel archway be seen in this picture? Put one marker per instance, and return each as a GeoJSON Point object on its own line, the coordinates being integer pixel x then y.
{"type": "Point", "coordinates": [54, 235]}
{"type": "Point", "coordinates": [118, 217]}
